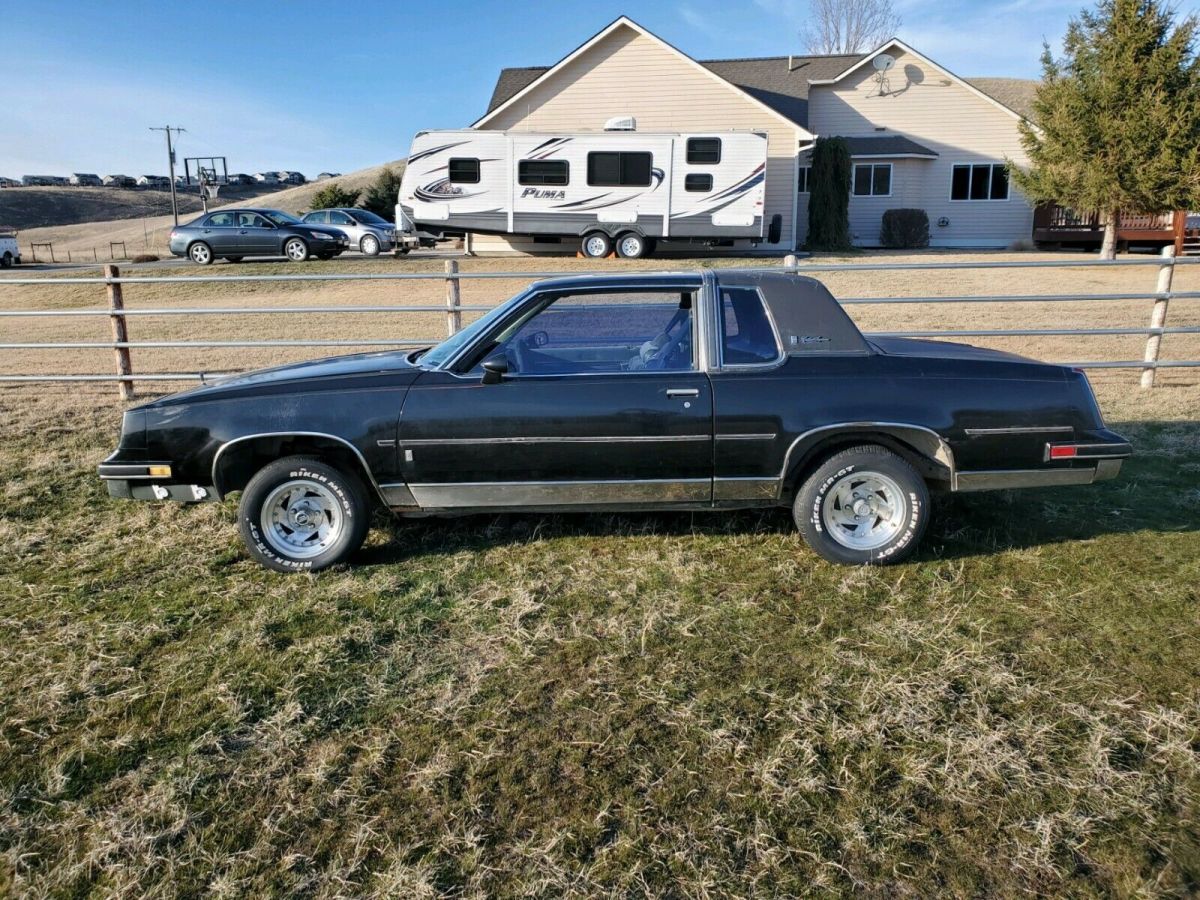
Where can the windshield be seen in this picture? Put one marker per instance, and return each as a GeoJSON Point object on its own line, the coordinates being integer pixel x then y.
{"type": "Point", "coordinates": [365, 215]}
{"type": "Point", "coordinates": [280, 218]}
{"type": "Point", "coordinates": [445, 351]}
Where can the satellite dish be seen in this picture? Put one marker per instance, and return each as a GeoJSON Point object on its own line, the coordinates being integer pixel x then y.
{"type": "Point", "coordinates": [883, 62]}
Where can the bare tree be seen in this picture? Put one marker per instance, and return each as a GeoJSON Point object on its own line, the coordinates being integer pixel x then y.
{"type": "Point", "coordinates": [849, 26]}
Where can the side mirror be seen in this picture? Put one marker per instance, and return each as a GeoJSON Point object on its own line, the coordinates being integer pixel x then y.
{"type": "Point", "coordinates": [494, 369]}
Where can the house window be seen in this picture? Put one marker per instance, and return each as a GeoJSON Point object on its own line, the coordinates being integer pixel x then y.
{"type": "Point", "coordinates": [543, 171]}
{"type": "Point", "coordinates": [619, 169]}
{"type": "Point", "coordinates": [802, 179]}
{"type": "Point", "coordinates": [987, 181]}
{"type": "Point", "coordinates": [703, 151]}
{"type": "Point", "coordinates": [697, 183]}
{"type": "Point", "coordinates": [464, 171]}
{"type": "Point", "coordinates": [873, 180]}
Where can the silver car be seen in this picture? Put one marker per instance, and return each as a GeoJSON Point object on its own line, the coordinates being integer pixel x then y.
{"type": "Point", "coordinates": [368, 232]}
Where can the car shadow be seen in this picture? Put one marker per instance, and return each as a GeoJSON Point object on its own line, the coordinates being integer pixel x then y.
{"type": "Point", "coordinates": [1158, 490]}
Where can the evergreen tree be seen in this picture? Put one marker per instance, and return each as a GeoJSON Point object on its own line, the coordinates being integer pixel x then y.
{"type": "Point", "coordinates": [383, 193]}
{"type": "Point", "coordinates": [1117, 119]}
{"type": "Point", "coordinates": [829, 195]}
{"type": "Point", "coordinates": [332, 196]}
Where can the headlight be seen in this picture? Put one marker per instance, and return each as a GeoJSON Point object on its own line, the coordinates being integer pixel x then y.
{"type": "Point", "coordinates": [322, 236]}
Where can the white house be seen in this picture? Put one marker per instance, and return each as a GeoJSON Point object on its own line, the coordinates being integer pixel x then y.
{"type": "Point", "coordinates": [920, 135]}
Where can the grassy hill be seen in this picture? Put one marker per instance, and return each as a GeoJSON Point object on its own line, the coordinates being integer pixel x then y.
{"type": "Point", "coordinates": [87, 220]}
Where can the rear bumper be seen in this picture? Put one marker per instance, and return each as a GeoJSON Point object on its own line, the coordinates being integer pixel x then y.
{"type": "Point", "coordinates": [1089, 463]}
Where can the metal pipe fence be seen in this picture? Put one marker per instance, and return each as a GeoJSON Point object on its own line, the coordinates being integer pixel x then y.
{"type": "Point", "coordinates": [121, 346]}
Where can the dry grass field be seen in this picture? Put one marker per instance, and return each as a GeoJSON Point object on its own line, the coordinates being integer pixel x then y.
{"type": "Point", "coordinates": [672, 705]}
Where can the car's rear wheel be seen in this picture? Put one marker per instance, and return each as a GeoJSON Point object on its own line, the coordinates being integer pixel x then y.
{"type": "Point", "coordinates": [862, 505]}
{"type": "Point", "coordinates": [300, 514]}
{"type": "Point", "coordinates": [200, 253]}
{"type": "Point", "coordinates": [631, 245]}
{"type": "Point", "coordinates": [296, 250]}
{"type": "Point", "coordinates": [369, 245]}
{"type": "Point", "coordinates": [596, 245]}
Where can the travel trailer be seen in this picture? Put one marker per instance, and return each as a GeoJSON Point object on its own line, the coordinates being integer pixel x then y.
{"type": "Point", "coordinates": [619, 190]}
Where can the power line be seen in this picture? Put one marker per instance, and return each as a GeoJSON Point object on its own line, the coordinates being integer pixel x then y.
{"type": "Point", "coordinates": [171, 166]}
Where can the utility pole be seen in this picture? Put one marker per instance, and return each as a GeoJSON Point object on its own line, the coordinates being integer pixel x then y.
{"type": "Point", "coordinates": [171, 166]}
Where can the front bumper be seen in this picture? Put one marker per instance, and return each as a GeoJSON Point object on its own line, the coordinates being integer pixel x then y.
{"type": "Point", "coordinates": [150, 481]}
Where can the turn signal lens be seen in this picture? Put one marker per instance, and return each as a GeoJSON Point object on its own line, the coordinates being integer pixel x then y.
{"type": "Point", "coordinates": [160, 471]}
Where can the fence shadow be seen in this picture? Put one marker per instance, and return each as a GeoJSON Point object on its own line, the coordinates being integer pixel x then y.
{"type": "Point", "coordinates": [1156, 491]}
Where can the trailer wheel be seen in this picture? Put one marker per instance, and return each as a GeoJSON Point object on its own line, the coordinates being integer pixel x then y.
{"type": "Point", "coordinates": [631, 245]}
{"type": "Point", "coordinates": [596, 245]}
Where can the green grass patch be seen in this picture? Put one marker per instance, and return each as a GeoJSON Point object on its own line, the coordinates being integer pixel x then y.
{"type": "Point", "coordinates": [676, 705]}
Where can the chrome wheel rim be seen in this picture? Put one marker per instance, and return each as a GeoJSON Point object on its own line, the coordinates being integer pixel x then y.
{"type": "Point", "coordinates": [297, 251]}
{"type": "Point", "coordinates": [301, 519]}
{"type": "Point", "coordinates": [370, 246]}
{"type": "Point", "coordinates": [595, 246]}
{"type": "Point", "coordinates": [865, 510]}
{"type": "Point", "coordinates": [201, 253]}
{"type": "Point", "coordinates": [631, 246]}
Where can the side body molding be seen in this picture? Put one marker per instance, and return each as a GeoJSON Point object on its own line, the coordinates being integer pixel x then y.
{"type": "Point", "coordinates": [216, 465]}
{"type": "Point", "coordinates": [925, 440]}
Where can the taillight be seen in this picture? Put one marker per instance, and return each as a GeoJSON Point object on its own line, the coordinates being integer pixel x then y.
{"type": "Point", "coordinates": [1062, 451]}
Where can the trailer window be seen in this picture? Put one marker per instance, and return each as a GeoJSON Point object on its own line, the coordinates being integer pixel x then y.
{"type": "Point", "coordinates": [464, 171]}
{"type": "Point", "coordinates": [703, 151]}
{"type": "Point", "coordinates": [697, 183]}
{"type": "Point", "coordinates": [543, 171]}
{"type": "Point", "coordinates": [619, 169]}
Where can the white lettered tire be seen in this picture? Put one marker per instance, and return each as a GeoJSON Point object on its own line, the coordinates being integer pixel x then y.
{"type": "Point", "coordinates": [863, 505]}
{"type": "Point", "coordinates": [299, 514]}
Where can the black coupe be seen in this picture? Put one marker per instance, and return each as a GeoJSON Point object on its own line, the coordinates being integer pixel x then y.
{"type": "Point", "coordinates": [695, 390]}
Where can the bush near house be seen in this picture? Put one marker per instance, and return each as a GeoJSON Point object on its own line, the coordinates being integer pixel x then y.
{"type": "Point", "coordinates": [904, 229]}
{"type": "Point", "coordinates": [829, 195]}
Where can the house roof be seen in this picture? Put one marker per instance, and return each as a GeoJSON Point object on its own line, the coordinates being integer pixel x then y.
{"type": "Point", "coordinates": [887, 145]}
{"type": "Point", "coordinates": [782, 82]}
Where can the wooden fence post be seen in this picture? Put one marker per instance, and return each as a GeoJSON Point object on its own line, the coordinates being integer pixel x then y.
{"type": "Point", "coordinates": [1158, 316]}
{"type": "Point", "coordinates": [453, 313]}
{"type": "Point", "coordinates": [120, 334]}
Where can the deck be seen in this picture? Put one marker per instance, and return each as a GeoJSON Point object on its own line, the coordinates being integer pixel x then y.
{"type": "Point", "coordinates": [1059, 225]}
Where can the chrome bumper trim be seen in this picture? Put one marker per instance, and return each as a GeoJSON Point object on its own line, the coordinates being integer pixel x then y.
{"type": "Point", "coordinates": [489, 494]}
{"type": "Point", "coordinates": [1004, 479]}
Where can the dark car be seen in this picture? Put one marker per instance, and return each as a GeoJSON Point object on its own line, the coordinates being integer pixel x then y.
{"type": "Point", "coordinates": [690, 391]}
{"type": "Point", "coordinates": [234, 234]}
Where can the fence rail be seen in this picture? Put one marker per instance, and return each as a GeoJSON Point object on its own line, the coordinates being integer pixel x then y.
{"type": "Point", "coordinates": [121, 346]}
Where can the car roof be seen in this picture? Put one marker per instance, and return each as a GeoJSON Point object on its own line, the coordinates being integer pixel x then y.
{"type": "Point", "coordinates": [624, 279]}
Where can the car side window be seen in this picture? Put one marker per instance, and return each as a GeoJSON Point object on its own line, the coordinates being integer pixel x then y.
{"type": "Point", "coordinates": [747, 337]}
{"type": "Point", "coordinates": [317, 218]}
{"type": "Point", "coordinates": [220, 220]}
{"type": "Point", "coordinates": [600, 333]}
{"type": "Point", "coordinates": [340, 218]}
{"type": "Point", "coordinates": [251, 220]}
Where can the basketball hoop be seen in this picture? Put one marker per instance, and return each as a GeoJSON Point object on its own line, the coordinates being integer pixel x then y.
{"type": "Point", "coordinates": [210, 191]}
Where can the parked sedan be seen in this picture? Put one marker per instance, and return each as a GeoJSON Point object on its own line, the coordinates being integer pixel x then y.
{"type": "Point", "coordinates": [234, 234]}
{"type": "Point", "coordinates": [368, 232]}
{"type": "Point", "coordinates": [691, 391]}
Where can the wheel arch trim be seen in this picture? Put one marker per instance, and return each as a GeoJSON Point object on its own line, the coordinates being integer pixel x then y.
{"type": "Point", "coordinates": [928, 443]}
{"type": "Point", "coordinates": [362, 460]}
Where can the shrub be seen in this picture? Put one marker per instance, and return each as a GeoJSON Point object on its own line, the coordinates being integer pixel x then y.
{"type": "Point", "coordinates": [904, 229]}
{"type": "Point", "coordinates": [144, 257]}
{"type": "Point", "coordinates": [1022, 245]}
{"type": "Point", "coordinates": [829, 195]}
{"type": "Point", "coordinates": [332, 196]}
{"type": "Point", "coordinates": [383, 193]}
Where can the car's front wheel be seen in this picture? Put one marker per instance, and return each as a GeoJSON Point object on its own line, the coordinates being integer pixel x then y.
{"type": "Point", "coordinates": [296, 250]}
{"type": "Point", "coordinates": [862, 505]}
{"type": "Point", "coordinates": [200, 253]}
{"type": "Point", "coordinates": [369, 245]}
{"type": "Point", "coordinates": [300, 514]}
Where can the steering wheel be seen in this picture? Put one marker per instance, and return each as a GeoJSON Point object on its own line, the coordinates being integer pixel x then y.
{"type": "Point", "coordinates": [522, 345]}
{"type": "Point", "coordinates": [658, 360]}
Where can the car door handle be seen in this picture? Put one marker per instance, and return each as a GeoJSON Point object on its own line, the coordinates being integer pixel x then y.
{"type": "Point", "coordinates": [683, 392]}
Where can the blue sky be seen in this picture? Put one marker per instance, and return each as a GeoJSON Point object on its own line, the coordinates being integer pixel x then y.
{"type": "Point", "coordinates": [300, 86]}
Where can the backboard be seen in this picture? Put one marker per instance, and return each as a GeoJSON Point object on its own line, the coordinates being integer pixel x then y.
{"type": "Point", "coordinates": [202, 170]}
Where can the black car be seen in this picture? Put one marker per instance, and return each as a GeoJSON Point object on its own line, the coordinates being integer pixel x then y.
{"type": "Point", "coordinates": [234, 234]}
{"type": "Point", "coordinates": [695, 391]}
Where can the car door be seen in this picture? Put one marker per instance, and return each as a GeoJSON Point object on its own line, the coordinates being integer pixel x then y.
{"type": "Point", "coordinates": [604, 404]}
{"type": "Point", "coordinates": [343, 222]}
{"type": "Point", "coordinates": [220, 233]}
{"type": "Point", "coordinates": [255, 235]}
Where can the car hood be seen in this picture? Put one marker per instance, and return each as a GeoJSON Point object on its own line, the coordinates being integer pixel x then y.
{"type": "Point", "coordinates": [298, 376]}
{"type": "Point", "coordinates": [324, 229]}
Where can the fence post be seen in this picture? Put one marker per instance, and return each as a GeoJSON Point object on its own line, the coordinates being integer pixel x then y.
{"type": "Point", "coordinates": [453, 313]}
{"type": "Point", "coordinates": [120, 334]}
{"type": "Point", "coordinates": [1158, 316]}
